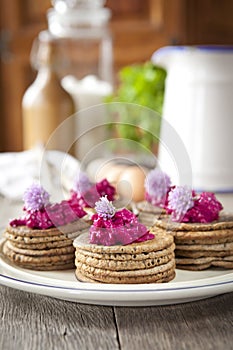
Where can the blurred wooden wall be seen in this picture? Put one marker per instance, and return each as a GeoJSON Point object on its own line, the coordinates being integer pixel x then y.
{"type": "Point", "coordinates": [139, 28]}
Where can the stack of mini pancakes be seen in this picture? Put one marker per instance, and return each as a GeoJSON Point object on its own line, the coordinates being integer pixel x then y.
{"type": "Point", "coordinates": [50, 249]}
{"type": "Point", "coordinates": [152, 261]}
{"type": "Point", "coordinates": [199, 246]}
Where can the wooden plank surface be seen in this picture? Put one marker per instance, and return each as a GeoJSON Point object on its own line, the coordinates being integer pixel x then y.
{"type": "Point", "coordinates": [31, 322]}
{"type": "Point", "coordinates": [205, 324]}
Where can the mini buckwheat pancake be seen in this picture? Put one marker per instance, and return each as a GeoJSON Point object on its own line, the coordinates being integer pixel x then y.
{"type": "Point", "coordinates": [145, 262]}
{"type": "Point", "coordinates": [148, 213]}
{"type": "Point", "coordinates": [104, 273]}
{"type": "Point", "coordinates": [124, 256]}
{"type": "Point", "coordinates": [202, 253]}
{"type": "Point", "coordinates": [163, 279]}
{"type": "Point", "coordinates": [204, 237]}
{"type": "Point", "coordinates": [158, 276]}
{"type": "Point", "coordinates": [225, 221]}
{"type": "Point", "coordinates": [220, 247]}
{"type": "Point", "coordinates": [46, 245]}
{"type": "Point", "coordinates": [201, 245]}
{"type": "Point", "coordinates": [33, 239]}
{"type": "Point", "coordinates": [49, 267]}
{"type": "Point", "coordinates": [118, 265]}
{"type": "Point", "coordinates": [40, 252]}
{"type": "Point", "coordinates": [161, 241]}
{"type": "Point", "coordinates": [201, 264]}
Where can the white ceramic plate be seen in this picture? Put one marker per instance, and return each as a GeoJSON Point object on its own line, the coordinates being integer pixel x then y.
{"type": "Point", "coordinates": [187, 286]}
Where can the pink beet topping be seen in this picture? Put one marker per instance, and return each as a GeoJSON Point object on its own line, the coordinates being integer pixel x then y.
{"type": "Point", "coordinates": [52, 215]}
{"type": "Point", "coordinates": [121, 229]}
{"type": "Point", "coordinates": [89, 197]}
{"type": "Point", "coordinates": [40, 214]}
{"type": "Point", "coordinates": [206, 209]}
{"type": "Point", "coordinates": [185, 205]}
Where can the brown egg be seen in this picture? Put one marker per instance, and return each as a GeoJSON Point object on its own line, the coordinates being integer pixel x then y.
{"type": "Point", "coordinates": [110, 171]}
{"type": "Point", "coordinates": [102, 170]}
{"type": "Point", "coordinates": [131, 183]}
{"type": "Point", "coordinates": [114, 172]}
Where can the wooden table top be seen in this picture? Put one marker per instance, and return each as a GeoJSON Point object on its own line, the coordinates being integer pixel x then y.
{"type": "Point", "coordinates": [30, 321]}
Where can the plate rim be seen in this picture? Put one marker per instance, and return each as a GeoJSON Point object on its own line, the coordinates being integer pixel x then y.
{"type": "Point", "coordinates": [130, 295]}
{"type": "Point", "coordinates": [115, 294]}
{"type": "Point", "coordinates": [126, 298]}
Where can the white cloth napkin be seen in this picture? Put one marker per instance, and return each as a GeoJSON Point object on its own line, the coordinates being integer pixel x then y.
{"type": "Point", "coordinates": [54, 170]}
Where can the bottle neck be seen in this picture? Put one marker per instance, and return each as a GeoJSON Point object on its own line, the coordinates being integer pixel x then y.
{"type": "Point", "coordinates": [46, 74]}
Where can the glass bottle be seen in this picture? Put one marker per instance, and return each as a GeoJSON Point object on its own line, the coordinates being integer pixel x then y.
{"type": "Point", "coordinates": [82, 28]}
{"type": "Point", "coordinates": [46, 104]}
{"type": "Point", "coordinates": [88, 41]}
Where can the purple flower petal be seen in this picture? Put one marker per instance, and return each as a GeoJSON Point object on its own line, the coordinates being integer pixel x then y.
{"type": "Point", "coordinates": [157, 184]}
{"type": "Point", "coordinates": [82, 183]}
{"type": "Point", "coordinates": [180, 200]}
{"type": "Point", "coordinates": [35, 197]}
{"type": "Point", "coordinates": [105, 208]}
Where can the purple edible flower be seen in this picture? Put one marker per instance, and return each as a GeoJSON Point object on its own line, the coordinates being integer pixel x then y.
{"type": "Point", "coordinates": [157, 184]}
{"type": "Point", "coordinates": [105, 208]}
{"type": "Point", "coordinates": [35, 197]}
{"type": "Point", "coordinates": [82, 183]}
{"type": "Point", "coordinates": [180, 200]}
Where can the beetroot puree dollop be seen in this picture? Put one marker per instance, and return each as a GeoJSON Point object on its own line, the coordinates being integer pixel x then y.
{"type": "Point", "coordinates": [52, 215]}
{"type": "Point", "coordinates": [59, 214]}
{"type": "Point", "coordinates": [123, 228]}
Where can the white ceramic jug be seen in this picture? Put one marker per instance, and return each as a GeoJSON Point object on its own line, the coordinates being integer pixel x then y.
{"type": "Point", "coordinates": [198, 105]}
